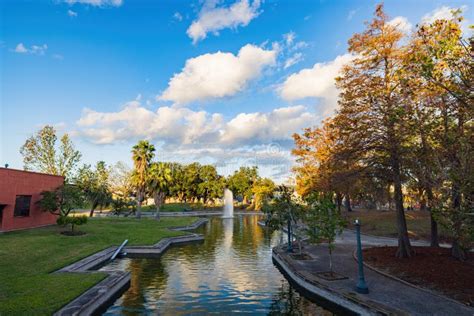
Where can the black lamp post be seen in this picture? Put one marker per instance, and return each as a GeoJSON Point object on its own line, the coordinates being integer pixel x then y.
{"type": "Point", "coordinates": [361, 285]}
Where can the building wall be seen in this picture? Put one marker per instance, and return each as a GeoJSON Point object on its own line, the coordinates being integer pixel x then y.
{"type": "Point", "coordinates": [18, 182]}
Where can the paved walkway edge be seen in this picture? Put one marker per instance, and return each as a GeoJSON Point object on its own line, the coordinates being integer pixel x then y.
{"type": "Point", "coordinates": [341, 302]}
{"type": "Point", "coordinates": [97, 298]}
{"type": "Point", "coordinates": [390, 276]}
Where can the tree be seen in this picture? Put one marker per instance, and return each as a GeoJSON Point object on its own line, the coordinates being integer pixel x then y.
{"type": "Point", "coordinates": [42, 153]}
{"type": "Point", "coordinates": [373, 119]}
{"type": "Point", "coordinates": [441, 59]}
{"type": "Point", "coordinates": [95, 185]}
{"type": "Point", "coordinates": [323, 166]}
{"type": "Point", "coordinates": [73, 221]}
{"type": "Point", "coordinates": [142, 154]}
{"type": "Point", "coordinates": [211, 184]}
{"type": "Point", "coordinates": [120, 180]}
{"type": "Point", "coordinates": [284, 212]}
{"type": "Point", "coordinates": [62, 200]}
{"type": "Point", "coordinates": [159, 183]}
{"type": "Point", "coordinates": [263, 191]}
{"type": "Point", "coordinates": [241, 182]}
{"type": "Point", "coordinates": [323, 222]}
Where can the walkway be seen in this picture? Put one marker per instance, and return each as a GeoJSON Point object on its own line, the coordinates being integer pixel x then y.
{"type": "Point", "coordinates": [386, 295]}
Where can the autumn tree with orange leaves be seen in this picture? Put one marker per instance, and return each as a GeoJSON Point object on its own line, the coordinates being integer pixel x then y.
{"type": "Point", "coordinates": [406, 121]}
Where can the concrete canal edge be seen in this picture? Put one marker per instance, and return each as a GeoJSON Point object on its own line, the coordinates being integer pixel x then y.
{"type": "Point", "coordinates": [97, 298]}
{"type": "Point", "coordinates": [325, 296]}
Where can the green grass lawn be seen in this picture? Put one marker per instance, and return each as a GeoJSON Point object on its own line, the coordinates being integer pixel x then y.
{"type": "Point", "coordinates": [384, 223]}
{"type": "Point", "coordinates": [28, 257]}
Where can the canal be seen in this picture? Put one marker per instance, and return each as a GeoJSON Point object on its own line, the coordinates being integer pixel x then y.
{"type": "Point", "coordinates": [230, 272]}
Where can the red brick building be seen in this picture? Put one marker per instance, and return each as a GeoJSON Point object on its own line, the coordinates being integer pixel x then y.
{"type": "Point", "coordinates": [19, 193]}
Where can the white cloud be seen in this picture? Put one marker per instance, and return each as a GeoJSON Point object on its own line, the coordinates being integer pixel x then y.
{"type": "Point", "coordinates": [441, 13]}
{"type": "Point", "coordinates": [188, 128]}
{"type": "Point", "coordinates": [96, 3]}
{"type": "Point", "coordinates": [217, 75]}
{"type": "Point", "coordinates": [58, 56]}
{"type": "Point", "coordinates": [293, 60]}
{"type": "Point", "coordinates": [20, 48]}
{"type": "Point", "coordinates": [351, 14]}
{"type": "Point", "coordinates": [446, 13]}
{"type": "Point", "coordinates": [212, 19]}
{"type": "Point", "coordinates": [278, 124]}
{"type": "Point", "coordinates": [34, 49]}
{"type": "Point", "coordinates": [401, 23]}
{"type": "Point", "coordinates": [71, 13]}
{"type": "Point", "coordinates": [184, 135]}
{"type": "Point", "coordinates": [317, 82]}
{"type": "Point", "coordinates": [289, 38]}
{"type": "Point", "coordinates": [177, 16]}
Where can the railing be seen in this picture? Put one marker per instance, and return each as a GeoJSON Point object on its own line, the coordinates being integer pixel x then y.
{"type": "Point", "coordinates": [119, 249]}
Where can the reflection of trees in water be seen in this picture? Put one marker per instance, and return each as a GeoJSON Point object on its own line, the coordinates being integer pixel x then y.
{"type": "Point", "coordinates": [289, 302]}
{"type": "Point", "coordinates": [145, 274]}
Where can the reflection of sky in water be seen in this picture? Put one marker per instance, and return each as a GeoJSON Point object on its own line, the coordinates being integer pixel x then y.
{"type": "Point", "coordinates": [232, 271]}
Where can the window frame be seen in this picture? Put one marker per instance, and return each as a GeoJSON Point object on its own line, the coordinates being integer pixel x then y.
{"type": "Point", "coordinates": [16, 210]}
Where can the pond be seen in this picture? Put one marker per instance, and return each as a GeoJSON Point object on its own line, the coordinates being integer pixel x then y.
{"type": "Point", "coordinates": [230, 272]}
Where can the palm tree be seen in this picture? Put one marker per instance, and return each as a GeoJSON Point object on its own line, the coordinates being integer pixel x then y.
{"type": "Point", "coordinates": [142, 154]}
{"type": "Point", "coordinates": [159, 184]}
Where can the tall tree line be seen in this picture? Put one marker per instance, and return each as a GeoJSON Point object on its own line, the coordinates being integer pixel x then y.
{"type": "Point", "coordinates": [405, 122]}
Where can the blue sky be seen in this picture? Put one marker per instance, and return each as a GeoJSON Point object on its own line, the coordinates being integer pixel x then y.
{"type": "Point", "coordinates": [222, 82]}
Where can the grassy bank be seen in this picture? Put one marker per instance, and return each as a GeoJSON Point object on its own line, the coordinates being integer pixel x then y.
{"type": "Point", "coordinates": [384, 223]}
{"type": "Point", "coordinates": [28, 257]}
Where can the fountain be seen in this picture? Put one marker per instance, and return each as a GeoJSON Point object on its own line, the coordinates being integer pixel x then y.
{"type": "Point", "coordinates": [228, 204]}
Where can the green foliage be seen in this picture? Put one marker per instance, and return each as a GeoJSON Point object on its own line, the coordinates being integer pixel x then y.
{"type": "Point", "coordinates": [142, 154]}
{"type": "Point", "coordinates": [122, 205]}
{"type": "Point", "coordinates": [323, 221]}
{"type": "Point", "coordinates": [262, 190]}
{"type": "Point", "coordinates": [242, 181]}
{"type": "Point", "coordinates": [71, 220]}
{"type": "Point", "coordinates": [41, 153]}
{"type": "Point", "coordinates": [62, 200]}
{"type": "Point", "coordinates": [95, 185]}
{"type": "Point", "coordinates": [285, 206]}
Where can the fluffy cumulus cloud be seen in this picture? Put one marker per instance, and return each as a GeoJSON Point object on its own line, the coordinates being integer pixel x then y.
{"type": "Point", "coordinates": [401, 23]}
{"type": "Point", "coordinates": [96, 3]}
{"type": "Point", "coordinates": [315, 82]}
{"type": "Point", "coordinates": [278, 124]}
{"type": "Point", "coordinates": [34, 49]}
{"type": "Point", "coordinates": [212, 19]}
{"type": "Point", "coordinates": [262, 138]}
{"type": "Point", "coordinates": [185, 127]}
{"type": "Point", "coordinates": [217, 75]}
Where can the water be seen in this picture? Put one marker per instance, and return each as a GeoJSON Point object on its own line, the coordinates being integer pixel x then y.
{"type": "Point", "coordinates": [230, 272]}
{"type": "Point", "coordinates": [228, 204]}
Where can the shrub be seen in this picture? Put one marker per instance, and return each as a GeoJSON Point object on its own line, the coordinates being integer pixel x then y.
{"type": "Point", "coordinates": [72, 220]}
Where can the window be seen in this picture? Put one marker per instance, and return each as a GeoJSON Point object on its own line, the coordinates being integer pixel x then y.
{"type": "Point", "coordinates": [22, 205]}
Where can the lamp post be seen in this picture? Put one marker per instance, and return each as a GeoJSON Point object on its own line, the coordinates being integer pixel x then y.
{"type": "Point", "coordinates": [361, 285]}
{"type": "Point", "coordinates": [290, 246]}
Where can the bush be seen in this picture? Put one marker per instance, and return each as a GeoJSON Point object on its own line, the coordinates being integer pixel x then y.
{"type": "Point", "coordinates": [72, 220]}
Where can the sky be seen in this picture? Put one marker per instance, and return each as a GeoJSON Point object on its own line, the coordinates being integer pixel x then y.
{"type": "Point", "coordinates": [219, 82]}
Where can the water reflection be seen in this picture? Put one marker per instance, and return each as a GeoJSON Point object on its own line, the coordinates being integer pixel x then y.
{"type": "Point", "coordinates": [231, 271]}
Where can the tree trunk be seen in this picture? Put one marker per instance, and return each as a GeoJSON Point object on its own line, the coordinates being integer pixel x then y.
{"type": "Point", "coordinates": [347, 202]}
{"type": "Point", "coordinates": [339, 202]}
{"type": "Point", "coordinates": [158, 198]}
{"type": "Point", "coordinates": [433, 223]}
{"type": "Point", "coordinates": [404, 247]}
{"type": "Point", "coordinates": [139, 205]}
{"type": "Point", "coordinates": [93, 207]}
{"type": "Point", "coordinates": [457, 251]}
